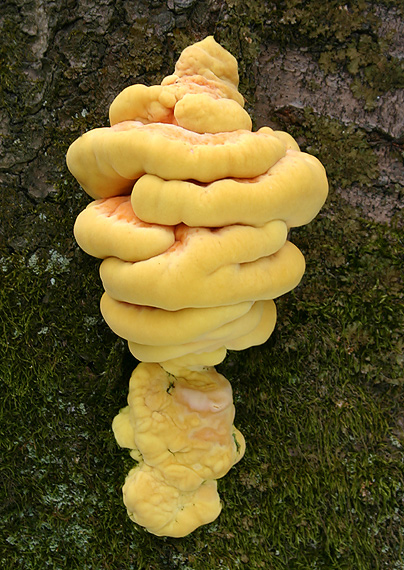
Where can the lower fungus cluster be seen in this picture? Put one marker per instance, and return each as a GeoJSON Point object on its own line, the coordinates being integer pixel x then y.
{"type": "Point", "coordinates": [191, 215]}
{"type": "Point", "coordinates": [181, 431]}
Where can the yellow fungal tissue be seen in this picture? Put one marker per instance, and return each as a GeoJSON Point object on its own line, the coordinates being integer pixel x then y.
{"type": "Point", "coordinates": [190, 214]}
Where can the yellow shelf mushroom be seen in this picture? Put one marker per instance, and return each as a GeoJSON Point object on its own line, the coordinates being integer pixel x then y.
{"type": "Point", "coordinates": [181, 430]}
{"type": "Point", "coordinates": [191, 215]}
{"type": "Point", "coordinates": [297, 178]}
{"type": "Point", "coordinates": [108, 160]}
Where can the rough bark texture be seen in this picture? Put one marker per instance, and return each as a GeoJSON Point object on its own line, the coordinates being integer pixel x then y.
{"type": "Point", "coordinates": [64, 61]}
{"type": "Point", "coordinates": [326, 491]}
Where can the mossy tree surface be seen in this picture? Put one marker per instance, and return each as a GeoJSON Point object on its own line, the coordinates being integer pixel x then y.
{"type": "Point", "coordinates": [320, 404]}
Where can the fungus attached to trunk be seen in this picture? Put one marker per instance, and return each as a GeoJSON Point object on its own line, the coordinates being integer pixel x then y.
{"type": "Point", "coordinates": [181, 431]}
{"type": "Point", "coordinates": [191, 215]}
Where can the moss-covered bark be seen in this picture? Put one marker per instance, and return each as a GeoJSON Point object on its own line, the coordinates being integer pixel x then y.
{"type": "Point", "coordinates": [321, 403]}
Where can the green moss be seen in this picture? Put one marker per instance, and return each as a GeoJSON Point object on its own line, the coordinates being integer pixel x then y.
{"type": "Point", "coordinates": [320, 404]}
{"type": "Point", "coordinates": [347, 36]}
{"type": "Point", "coordinates": [345, 150]}
{"type": "Point", "coordinates": [239, 32]}
{"type": "Point", "coordinates": [340, 36]}
{"type": "Point", "coordinates": [373, 70]}
{"type": "Point", "coordinates": [145, 53]}
{"type": "Point", "coordinates": [11, 56]}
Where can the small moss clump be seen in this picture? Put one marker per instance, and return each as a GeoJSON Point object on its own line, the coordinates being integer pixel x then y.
{"type": "Point", "coordinates": [345, 150]}
{"type": "Point", "coordinates": [339, 36]}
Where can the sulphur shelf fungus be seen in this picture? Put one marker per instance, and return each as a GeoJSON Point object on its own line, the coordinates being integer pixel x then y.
{"type": "Point", "coordinates": [191, 215]}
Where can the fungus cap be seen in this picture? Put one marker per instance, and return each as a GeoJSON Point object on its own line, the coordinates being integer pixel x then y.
{"type": "Point", "coordinates": [154, 104]}
{"type": "Point", "coordinates": [294, 189]}
{"type": "Point", "coordinates": [164, 510]}
{"type": "Point", "coordinates": [253, 328]}
{"type": "Point", "coordinates": [109, 227]}
{"type": "Point", "coordinates": [207, 268]}
{"type": "Point", "coordinates": [209, 60]}
{"type": "Point", "coordinates": [204, 69]}
{"type": "Point", "coordinates": [202, 113]}
{"type": "Point", "coordinates": [183, 435]}
{"type": "Point", "coordinates": [183, 422]}
{"type": "Point", "coordinates": [107, 161]}
{"type": "Point", "coordinates": [150, 325]}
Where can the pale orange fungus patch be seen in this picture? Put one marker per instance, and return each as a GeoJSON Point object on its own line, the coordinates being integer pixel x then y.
{"type": "Point", "coordinates": [120, 208]}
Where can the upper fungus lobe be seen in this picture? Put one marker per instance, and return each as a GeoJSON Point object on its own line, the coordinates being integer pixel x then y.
{"type": "Point", "coordinates": [202, 95]}
{"type": "Point", "coordinates": [107, 161]}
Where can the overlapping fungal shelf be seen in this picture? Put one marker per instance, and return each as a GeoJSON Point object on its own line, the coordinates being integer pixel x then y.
{"type": "Point", "coordinates": [191, 215]}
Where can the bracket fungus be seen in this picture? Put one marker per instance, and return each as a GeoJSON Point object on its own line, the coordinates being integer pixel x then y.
{"type": "Point", "coordinates": [190, 215]}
